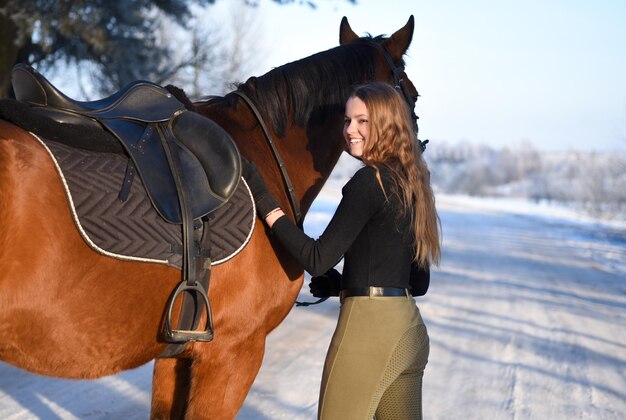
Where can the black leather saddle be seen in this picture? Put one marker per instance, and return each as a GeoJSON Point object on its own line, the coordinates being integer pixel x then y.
{"type": "Point", "coordinates": [189, 166]}
{"type": "Point", "coordinates": [139, 115]}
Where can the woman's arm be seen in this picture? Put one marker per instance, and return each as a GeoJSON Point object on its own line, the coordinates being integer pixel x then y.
{"type": "Point", "coordinates": [273, 216]}
{"type": "Point", "coordinates": [361, 199]}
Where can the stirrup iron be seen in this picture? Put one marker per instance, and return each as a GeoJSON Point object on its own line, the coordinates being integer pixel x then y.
{"type": "Point", "coordinates": [180, 336]}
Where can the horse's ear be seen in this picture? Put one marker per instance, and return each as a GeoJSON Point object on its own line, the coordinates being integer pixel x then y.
{"type": "Point", "coordinates": [346, 34]}
{"type": "Point", "coordinates": [399, 42]}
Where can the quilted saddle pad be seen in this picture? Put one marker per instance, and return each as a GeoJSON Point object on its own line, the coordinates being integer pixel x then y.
{"type": "Point", "coordinates": [133, 230]}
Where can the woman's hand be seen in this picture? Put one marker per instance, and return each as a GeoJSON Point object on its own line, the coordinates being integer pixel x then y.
{"type": "Point", "coordinates": [326, 285]}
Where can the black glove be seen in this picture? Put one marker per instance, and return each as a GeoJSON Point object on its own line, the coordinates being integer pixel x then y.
{"type": "Point", "coordinates": [263, 199]}
{"type": "Point", "coordinates": [326, 285]}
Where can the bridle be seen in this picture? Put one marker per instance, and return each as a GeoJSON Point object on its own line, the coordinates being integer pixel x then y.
{"type": "Point", "coordinates": [400, 85]}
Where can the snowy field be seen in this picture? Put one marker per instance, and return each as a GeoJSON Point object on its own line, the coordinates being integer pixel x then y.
{"type": "Point", "coordinates": [526, 317]}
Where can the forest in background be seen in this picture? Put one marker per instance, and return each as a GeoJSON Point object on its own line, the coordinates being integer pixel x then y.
{"type": "Point", "coordinates": [592, 182]}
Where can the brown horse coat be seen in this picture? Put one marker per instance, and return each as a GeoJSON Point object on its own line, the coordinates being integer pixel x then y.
{"type": "Point", "coordinates": [68, 311]}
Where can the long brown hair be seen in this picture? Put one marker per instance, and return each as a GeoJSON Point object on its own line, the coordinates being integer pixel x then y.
{"type": "Point", "coordinates": [392, 143]}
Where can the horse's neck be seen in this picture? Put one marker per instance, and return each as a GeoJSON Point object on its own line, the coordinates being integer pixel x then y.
{"type": "Point", "coordinates": [309, 154]}
{"type": "Point", "coordinates": [311, 157]}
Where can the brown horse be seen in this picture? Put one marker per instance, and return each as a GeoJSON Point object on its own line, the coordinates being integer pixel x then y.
{"type": "Point", "coordinates": [67, 311]}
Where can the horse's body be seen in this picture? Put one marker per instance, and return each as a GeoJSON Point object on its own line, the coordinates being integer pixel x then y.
{"type": "Point", "coordinates": [68, 311]}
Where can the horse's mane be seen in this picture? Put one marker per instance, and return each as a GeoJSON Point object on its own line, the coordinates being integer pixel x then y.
{"type": "Point", "coordinates": [319, 83]}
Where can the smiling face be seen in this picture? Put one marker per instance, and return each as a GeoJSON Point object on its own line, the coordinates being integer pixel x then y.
{"type": "Point", "coordinates": [356, 126]}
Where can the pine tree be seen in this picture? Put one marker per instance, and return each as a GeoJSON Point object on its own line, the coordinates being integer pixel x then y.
{"type": "Point", "coordinates": [117, 41]}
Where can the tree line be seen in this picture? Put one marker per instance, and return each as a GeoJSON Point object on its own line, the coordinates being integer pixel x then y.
{"type": "Point", "coordinates": [594, 182]}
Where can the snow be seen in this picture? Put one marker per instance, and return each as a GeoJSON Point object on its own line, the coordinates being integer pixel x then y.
{"type": "Point", "coordinates": [526, 317]}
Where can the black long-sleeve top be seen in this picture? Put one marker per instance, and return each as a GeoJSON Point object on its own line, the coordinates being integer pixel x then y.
{"type": "Point", "coordinates": [369, 231]}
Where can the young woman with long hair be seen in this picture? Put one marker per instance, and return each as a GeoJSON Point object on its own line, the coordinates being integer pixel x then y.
{"type": "Point", "coordinates": [387, 229]}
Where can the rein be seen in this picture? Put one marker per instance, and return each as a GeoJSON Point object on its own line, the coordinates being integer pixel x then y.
{"type": "Point", "coordinates": [283, 171]}
{"type": "Point", "coordinates": [295, 206]}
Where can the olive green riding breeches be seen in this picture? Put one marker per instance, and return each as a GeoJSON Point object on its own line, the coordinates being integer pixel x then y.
{"type": "Point", "coordinates": [375, 362]}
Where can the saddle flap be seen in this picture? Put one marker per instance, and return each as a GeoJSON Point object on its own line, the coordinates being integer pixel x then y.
{"type": "Point", "coordinates": [214, 149]}
{"type": "Point", "coordinates": [143, 145]}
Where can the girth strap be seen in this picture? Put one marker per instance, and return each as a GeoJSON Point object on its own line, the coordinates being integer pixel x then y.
{"type": "Point", "coordinates": [295, 206]}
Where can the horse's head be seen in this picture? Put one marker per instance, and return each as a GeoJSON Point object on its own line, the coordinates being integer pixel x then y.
{"type": "Point", "coordinates": [314, 89]}
{"type": "Point", "coordinates": [390, 58]}
{"type": "Point", "coordinates": [361, 60]}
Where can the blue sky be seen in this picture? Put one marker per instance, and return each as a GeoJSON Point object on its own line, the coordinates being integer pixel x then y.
{"type": "Point", "coordinates": [552, 73]}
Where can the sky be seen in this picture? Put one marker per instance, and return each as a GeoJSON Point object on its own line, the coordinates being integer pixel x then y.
{"type": "Point", "coordinates": [503, 73]}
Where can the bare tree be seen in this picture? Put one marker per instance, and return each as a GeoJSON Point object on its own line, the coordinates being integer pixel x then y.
{"type": "Point", "coordinates": [223, 58]}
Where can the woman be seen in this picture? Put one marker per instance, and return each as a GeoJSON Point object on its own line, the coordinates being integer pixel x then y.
{"type": "Point", "coordinates": [387, 229]}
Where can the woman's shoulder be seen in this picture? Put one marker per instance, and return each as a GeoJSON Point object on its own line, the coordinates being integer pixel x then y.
{"type": "Point", "coordinates": [376, 174]}
{"type": "Point", "coordinates": [364, 180]}
{"type": "Point", "coordinates": [364, 175]}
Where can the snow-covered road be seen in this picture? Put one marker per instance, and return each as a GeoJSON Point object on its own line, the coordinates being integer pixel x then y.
{"type": "Point", "coordinates": [526, 317]}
